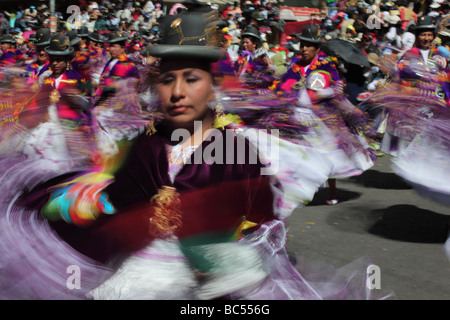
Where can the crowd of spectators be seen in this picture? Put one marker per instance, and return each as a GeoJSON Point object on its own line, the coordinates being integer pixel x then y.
{"type": "Point", "coordinates": [378, 27]}
{"type": "Point", "coordinates": [372, 21]}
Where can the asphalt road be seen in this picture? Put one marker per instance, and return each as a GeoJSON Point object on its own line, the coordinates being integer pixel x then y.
{"type": "Point", "coordinates": [382, 219]}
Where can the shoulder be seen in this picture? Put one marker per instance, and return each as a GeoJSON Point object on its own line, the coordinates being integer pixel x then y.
{"type": "Point", "coordinates": [73, 75]}
{"type": "Point", "coordinates": [324, 58]}
{"type": "Point", "coordinates": [296, 60]}
{"type": "Point", "coordinates": [124, 60]}
{"type": "Point", "coordinates": [324, 63]}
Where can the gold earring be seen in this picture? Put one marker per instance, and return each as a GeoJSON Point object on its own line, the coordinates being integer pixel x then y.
{"type": "Point", "coordinates": [150, 128]}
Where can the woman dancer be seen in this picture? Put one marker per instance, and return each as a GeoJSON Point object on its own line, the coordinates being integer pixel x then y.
{"type": "Point", "coordinates": [64, 93]}
{"type": "Point", "coordinates": [313, 79]}
{"type": "Point", "coordinates": [194, 219]}
{"type": "Point", "coordinates": [253, 66]}
{"type": "Point", "coordinates": [420, 87]}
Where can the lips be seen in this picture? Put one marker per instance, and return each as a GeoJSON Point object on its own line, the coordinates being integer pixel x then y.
{"type": "Point", "coordinates": [178, 109]}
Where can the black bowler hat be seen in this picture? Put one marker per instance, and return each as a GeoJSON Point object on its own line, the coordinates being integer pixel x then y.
{"type": "Point", "coordinates": [311, 33]}
{"type": "Point", "coordinates": [117, 37]}
{"type": "Point", "coordinates": [425, 23]}
{"type": "Point", "coordinates": [43, 36]}
{"type": "Point", "coordinates": [83, 32]}
{"type": "Point", "coordinates": [59, 46]}
{"type": "Point", "coordinates": [189, 35]}
{"type": "Point", "coordinates": [251, 31]}
{"type": "Point", "coordinates": [96, 37]}
{"type": "Point", "coordinates": [32, 38]}
{"type": "Point", "coordinates": [7, 39]}
{"type": "Point", "coordinates": [73, 37]}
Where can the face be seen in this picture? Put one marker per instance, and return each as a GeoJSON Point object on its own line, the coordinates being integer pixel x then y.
{"type": "Point", "coordinates": [97, 45]}
{"type": "Point", "coordinates": [184, 92]}
{"type": "Point", "coordinates": [58, 64]}
{"type": "Point", "coordinates": [425, 40]}
{"type": "Point", "coordinates": [41, 55]}
{"type": "Point", "coordinates": [308, 51]}
{"type": "Point", "coordinates": [116, 50]}
{"type": "Point", "coordinates": [5, 46]}
{"type": "Point", "coordinates": [248, 45]}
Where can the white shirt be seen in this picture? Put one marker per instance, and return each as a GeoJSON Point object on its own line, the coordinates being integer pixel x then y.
{"type": "Point", "coordinates": [57, 81]}
{"type": "Point", "coordinates": [425, 54]}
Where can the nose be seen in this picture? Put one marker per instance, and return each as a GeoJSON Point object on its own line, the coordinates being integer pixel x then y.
{"type": "Point", "coordinates": [178, 90]}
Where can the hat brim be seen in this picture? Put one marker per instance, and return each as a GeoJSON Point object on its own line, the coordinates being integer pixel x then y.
{"type": "Point", "coordinates": [185, 51]}
{"type": "Point", "coordinates": [426, 27]}
{"type": "Point", "coordinates": [59, 53]}
{"type": "Point", "coordinates": [310, 39]}
{"type": "Point", "coordinates": [122, 39]}
{"type": "Point", "coordinates": [96, 40]}
{"type": "Point", "coordinates": [246, 34]}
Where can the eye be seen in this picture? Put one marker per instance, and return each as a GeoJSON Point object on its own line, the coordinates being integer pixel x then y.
{"type": "Point", "coordinates": [165, 80]}
{"type": "Point", "coordinates": [191, 80]}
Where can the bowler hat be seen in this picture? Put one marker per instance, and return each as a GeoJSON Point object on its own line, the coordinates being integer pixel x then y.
{"type": "Point", "coordinates": [96, 37]}
{"type": "Point", "coordinates": [425, 23]}
{"type": "Point", "coordinates": [32, 38]}
{"type": "Point", "coordinates": [7, 39]}
{"type": "Point", "coordinates": [83, 32]}
{"type": "Point", "coordinates": [311, 33]}
{"type": "Point", "coordinates": [117, 37]}
{"type": "Point", "coordinates": [59, 46]}
{"type": "Point", "coordinates": [43, 36]}
{"type": "Point", "coordinates": [73, 37]}
{"type": "Point", "coordinates": [251, 32]}
{"type": "Point", "coordinates": [189, 35]}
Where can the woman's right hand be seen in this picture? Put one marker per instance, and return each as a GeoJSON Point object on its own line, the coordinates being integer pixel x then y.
{"type": "Point", "coordinates": [79, 203]}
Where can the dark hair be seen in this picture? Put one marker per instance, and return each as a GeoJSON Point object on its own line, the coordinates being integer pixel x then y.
{"type": "Point", "coordinates": [66, 58]}
{"type": "Point", "coordinates": [167, 63]}
{"type": "Point", "coordinates": [311, 44]}
{"type": "Point", "coordinates": [254, 40]}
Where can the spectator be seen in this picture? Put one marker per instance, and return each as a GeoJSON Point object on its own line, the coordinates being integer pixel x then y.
{"type": "Point", "coordinates": [100, 25]}
{"type": "Point", "coordinates": [227, 10]}
{"type": "Point", "coordinates": [31, 12]}
{"type": "Point", "coordinates": [8, 56]}
{"type": "Point", "coordinates": [237, 11]}
{"type": "Point", "coordinates": [434, 10]}
{"type": "Point", "coordinates": [149, 7]}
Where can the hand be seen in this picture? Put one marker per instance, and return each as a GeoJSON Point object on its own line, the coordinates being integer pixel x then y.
{"type": "Point", "coordinates": [80, 202]}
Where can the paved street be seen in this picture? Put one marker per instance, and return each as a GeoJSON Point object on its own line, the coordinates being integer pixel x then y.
{"type": "Point", "coordinates": [379, 217]}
